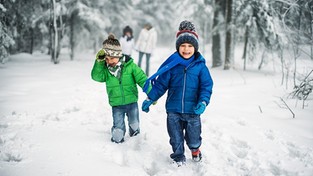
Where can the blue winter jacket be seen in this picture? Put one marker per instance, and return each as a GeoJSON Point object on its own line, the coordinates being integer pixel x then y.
{"type": "Point", "coordinates": [187, 86]}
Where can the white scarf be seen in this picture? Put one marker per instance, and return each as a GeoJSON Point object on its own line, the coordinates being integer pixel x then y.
{"type": "Point", "coordinates": [116, 70]}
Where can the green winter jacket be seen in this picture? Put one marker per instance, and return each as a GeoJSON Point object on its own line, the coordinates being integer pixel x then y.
{"type": "Point", "coordinates": [121, 91]}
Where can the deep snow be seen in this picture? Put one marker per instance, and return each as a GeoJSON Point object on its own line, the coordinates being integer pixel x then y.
{"type": "Point", "coordinates": [55, 120]}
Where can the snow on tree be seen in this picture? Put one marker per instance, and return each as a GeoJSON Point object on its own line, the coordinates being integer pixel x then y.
{"type": "Point", "coordinates": [262, 25]}
{"type": "Point", "coordinates": [6, 36]}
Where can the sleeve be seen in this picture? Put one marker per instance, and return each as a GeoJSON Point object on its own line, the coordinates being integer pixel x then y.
{"type": "Point", "coordinates": [138, 43]}
{"type": "Point", "coordinates": [155, 39]}
{"type": "Point", "coordinates": [133, 44]}
{"type": "Point", "coordinates": [206, 85]}
{"type": "Point", "coordinates": [160, 86]}
{"type": "Point", "coordinates": [139, 75]}
{"type": "Point", "coordinates": [98, 72]}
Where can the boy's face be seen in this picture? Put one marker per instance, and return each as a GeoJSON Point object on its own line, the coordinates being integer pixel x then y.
{"type": "Point", "coordinates": [186, 50]}
{"type": "Point", "coordinates": [112, 61]}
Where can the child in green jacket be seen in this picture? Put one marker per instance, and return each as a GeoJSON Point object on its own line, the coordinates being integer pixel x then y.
{"type": "Point", "coordinates": [121, 75]}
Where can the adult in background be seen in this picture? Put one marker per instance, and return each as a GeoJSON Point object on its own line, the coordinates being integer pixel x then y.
{"type": "Point", "coordinates": [146, 43]}
{"type": "Point", "coordinates": [127, 41]}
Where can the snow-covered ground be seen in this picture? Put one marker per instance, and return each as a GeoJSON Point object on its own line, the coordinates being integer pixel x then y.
{"type": "Point", "coordinates": [55, 121]}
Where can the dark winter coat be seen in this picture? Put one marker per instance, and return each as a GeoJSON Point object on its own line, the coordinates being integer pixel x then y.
{"type": "Point", "coordinates": [124, 90]}
{"type": "Point", "coordinates": [186, 86]}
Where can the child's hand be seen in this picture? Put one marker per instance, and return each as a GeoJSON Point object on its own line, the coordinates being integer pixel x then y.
{"type": "Point", "coordinates": [199, 109]}
{"type": "Point", "coordinates": [100, 55]}
{"type": "Point", "coordinates": [146, 104]}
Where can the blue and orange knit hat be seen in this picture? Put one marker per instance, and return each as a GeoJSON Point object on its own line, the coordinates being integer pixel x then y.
{"type": "Point", "coordinates": [187, 34]}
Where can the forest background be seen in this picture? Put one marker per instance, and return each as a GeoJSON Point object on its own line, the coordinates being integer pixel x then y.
{"type": "Point", "coordinates": [53, 116]}
{"type": "Point", "coordinates": [266, 26]}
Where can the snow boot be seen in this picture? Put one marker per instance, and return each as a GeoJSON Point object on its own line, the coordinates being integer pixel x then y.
{"type": "Point", "coordinates": [134, 133]}
{"type": "Point", "coordinates": [180, 162]}
{"type": "Point", "coordinates": [196, 155]}
{"type": "Point", "coordinates": [121, 141]}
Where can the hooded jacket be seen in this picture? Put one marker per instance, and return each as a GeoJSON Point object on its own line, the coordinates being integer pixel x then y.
{"type": "Point", "coordinates": [147, 40]}
{"type": "Point", "coordinates": [121, 91]}
{"type": "Point", "coordinates": [127, 46]}
{"type": "Point", "coordinates": [186, 86]}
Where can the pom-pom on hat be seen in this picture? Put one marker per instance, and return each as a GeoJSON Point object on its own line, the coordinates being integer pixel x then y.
{"type": "Point", "coordinates": [187, 34]}
{"type": "Point", "coordinates": [112, 47]}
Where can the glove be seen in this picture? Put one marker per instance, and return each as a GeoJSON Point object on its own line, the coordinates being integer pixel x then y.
{"type": "Point", "coordinates": [146, 104]}
{"type": "Point", "coordinates": [199, 109]}
{"type": "Point", "coordinates": [100, 55]}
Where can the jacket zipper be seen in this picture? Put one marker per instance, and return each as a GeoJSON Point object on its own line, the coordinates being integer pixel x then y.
{"type": "Point", "coordinates": [121, 87]}
{"type": "Point", "coordinates": [122, 91]}
{"type": "Point", "coordinates": [184, 88]}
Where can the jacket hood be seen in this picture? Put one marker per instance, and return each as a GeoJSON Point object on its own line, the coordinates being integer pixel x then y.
{"type": "Point", "coordinates": [199, 57]}
{"type": "Point", "coordinates": [128, 60]}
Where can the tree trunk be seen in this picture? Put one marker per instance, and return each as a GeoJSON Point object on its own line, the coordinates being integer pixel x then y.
{"type": "Point", "coordinates": [296, 48]}
{"type": "Point", "coordinates": [216, 38]}
{"type": "Point", "coordinates": [31, 49]}
{"type": "Point", "coordinates": [228, 41]}
{"type": "Point", "coordinates": [60, 31]}
{"type": "Point", "coordinates": [245, 50]}
{"type": "Point", "coordinates": [281, 55]}
{"type": "Point", "coordinates": [311, 28]}
{"type": "Point", "coordinates": [31, 40]}
{"type": "Point", "coordinates": [50, 32]}
{"type": "Point", "coordinates": [72, 43]}
{"type": "Point", "coordinates": [262, 60]}
{"type": "Point", "coordinates": [55, 30]}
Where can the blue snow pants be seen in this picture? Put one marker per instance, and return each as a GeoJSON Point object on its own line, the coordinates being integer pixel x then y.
{"type": "Point", "coordinates": [182, 127]}
{"type": "Point", "coordinates": [119, 129]}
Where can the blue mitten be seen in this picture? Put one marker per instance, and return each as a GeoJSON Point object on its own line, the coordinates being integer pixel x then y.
{"type": "Point", "coordinates": [146, 104]}
{"type": "Point", "coordinates": [199, 109]}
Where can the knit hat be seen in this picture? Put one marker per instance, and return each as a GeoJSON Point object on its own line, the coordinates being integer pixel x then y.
{"type": "Point", "coordinates": [187, 34]}
{"type": "Point", "coordinates": [127, 29]}
{"type": "Point", "coordinates": [112, 47]}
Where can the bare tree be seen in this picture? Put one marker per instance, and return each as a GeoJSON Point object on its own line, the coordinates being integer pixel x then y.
{"type": "Point", "coordinates": [228, 41]}
{"type": "Point", "coordinates": [56, 31]}
{"type": "Point", "coordinates": [310, 7]}
{"type": "Point", "coordinates": [218, 21]}
{"type": "Point", "coordinates": [245, 49]}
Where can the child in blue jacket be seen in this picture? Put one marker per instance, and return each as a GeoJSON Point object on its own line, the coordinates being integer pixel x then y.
{"type": "Point", "coordinates": [189, 84]}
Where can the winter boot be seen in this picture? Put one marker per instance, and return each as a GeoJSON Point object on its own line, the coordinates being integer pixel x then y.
{"type": "Point", "coordinates": [196, 155]}
{"type": "Point", "coordinates": [180, 163]}
{"type": "Point", "coordinates": [117, 135]}
{"type": "Point", "coordinates": [134, 133]}
{"type": "Point", "coordinates": [121, 141]}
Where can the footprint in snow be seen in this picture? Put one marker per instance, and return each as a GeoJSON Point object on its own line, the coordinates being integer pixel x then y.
{"type": "Point", "coordinates": [240, 148]}
{"type": "Point", "coordinates": [269, 135]}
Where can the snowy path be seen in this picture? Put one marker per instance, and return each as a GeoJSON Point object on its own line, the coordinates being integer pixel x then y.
{"type": "Point", "coordinates": [55, 121]}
